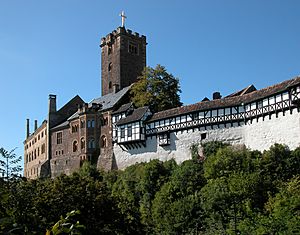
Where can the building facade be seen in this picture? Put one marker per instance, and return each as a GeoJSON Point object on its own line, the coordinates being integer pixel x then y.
{"type": "Point", "coordinates": [35, 151]}
{"type": "Point", "coordinates": [112, 134]}
{"type": "Point", "coordinates": [254, 118]}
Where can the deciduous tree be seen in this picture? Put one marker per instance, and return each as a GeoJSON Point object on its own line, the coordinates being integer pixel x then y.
{"type": "Point", "coordinates": [156, 88]}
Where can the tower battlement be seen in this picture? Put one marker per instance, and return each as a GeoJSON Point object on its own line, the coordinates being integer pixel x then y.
{"type": "Point", "coordinates": [111, 37]}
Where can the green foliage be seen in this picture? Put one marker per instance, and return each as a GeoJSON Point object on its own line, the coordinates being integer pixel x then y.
{"type": "Point", "coordinates": [212, 147]}
{"type": "Point", "coordinates": [67, 225]}
{"type": "Point", "coordinates": [156, 88]}
{"type": "Point", "coordinates": [232, 191]}
{"type": "Point", "coordinates": [9, 164]}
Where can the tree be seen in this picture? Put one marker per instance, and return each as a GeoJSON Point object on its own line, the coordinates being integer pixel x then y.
{"type": "Point", "coordinates": [157, 89]}
{"type": "Point", "coordinates": [9, 165]}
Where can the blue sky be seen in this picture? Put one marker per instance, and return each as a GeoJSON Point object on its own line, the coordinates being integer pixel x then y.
{"type": "Point", "coordinates": [52, 47]}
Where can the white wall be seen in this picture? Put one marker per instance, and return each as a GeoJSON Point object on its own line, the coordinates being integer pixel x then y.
{"type": "Point", "coordinates": [260, 135]}
{"type": "Point", "coordinates": [179, 149]}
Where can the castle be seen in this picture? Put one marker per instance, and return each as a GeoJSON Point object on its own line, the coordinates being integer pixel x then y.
{"type": "Point", "coordinates": [110, 132]}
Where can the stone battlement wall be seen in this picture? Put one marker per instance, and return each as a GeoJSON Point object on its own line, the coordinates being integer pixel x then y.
{"type": "Point", "coordinates": [257, 134]}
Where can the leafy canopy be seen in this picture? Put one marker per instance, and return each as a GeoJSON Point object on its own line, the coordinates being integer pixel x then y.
{"type": "Point", "coordinates": [9, 163]}
{"type": "Point", "coordinates": [157, 89]}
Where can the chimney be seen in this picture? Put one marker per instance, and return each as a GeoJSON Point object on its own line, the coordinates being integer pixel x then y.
{"type": "Point", "coordinates": [52, 103]}
{"type": "Point", "coordinates": [116, 88]}
{"type": "Point", "coordinates": [216, 95]}
{"type": "Point", "coordinates": [27, 128]}
{"type": "Point", "coordinates": [35, 125]}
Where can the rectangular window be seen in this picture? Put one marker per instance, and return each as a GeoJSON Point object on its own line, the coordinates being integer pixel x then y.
{"type": "Point", "coordinates": [43, 149]}
{"type": "Point", "coordinates": [129, 130]}
{"type": "Point", "coordinates": [133, 48]}
{"type": "Point", "coordinates": [122, 132]}
{"type": "Point", "coordinates": [164, 139]}
{"type": "Point", "coordinates": [59, 137]}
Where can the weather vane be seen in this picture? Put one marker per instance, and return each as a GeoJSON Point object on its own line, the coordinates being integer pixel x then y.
{"type": "Point", "coordinates": [123, 17]}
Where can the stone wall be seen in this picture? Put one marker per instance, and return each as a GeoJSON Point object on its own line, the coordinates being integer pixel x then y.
{"type": "Point", "coordinates": [119, 65]}
{"type": "Point", "coordinates": [35, 152]}
{"type": "Point", "coordinates": [180, 144]}
{"type": "Point", "coordinates": [256, 135]}
{"type": "Point", "coordinates": [283, 129]}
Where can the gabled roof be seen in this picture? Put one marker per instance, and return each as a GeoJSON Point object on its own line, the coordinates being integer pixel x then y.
{"type": "Point", "coordinates": [137, 115]}
{"type": "Point", "coordinates": [107, 101]}
{"type": "Point", "coordinates": [75, 99]}
{"type": "Point", "coordinates": [244, 91]}
{"type": "Point", "coordinates": [227, 101]}
{"type": "Point", "coordinates": [63, 125]}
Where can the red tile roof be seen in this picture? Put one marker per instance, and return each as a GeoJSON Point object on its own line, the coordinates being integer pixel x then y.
{"type": "Point", "coordinates": [227, 101]}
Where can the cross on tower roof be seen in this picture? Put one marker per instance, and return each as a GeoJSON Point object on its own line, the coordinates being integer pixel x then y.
{"type": "Point", "coordinates": [123, 17]}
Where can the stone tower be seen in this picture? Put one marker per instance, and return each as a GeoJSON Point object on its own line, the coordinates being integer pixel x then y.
{"type": "Point", "coordinates": [123, 58]}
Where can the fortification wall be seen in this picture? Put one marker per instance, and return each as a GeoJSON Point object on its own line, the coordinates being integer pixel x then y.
{"type": "Point", "coordinates": [257, 135]}
{"type": "Point", "coordinates": [180, 144]}
{"type": "Point", "coordinates": [283, 129]}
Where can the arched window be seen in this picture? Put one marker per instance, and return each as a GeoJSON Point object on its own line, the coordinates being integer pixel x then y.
{"type": "Point", "coordinates": [110, 85]}
{"type": "Point", "coordinates": [82, 123]}
{"type": "Point", "coordinates": [75, 146]}
{"type": "Point", "coordinates": [91, 123]}
{"type": "Point", "coordinates": [109, 66]}
{"type": "Point", "coordinates": [82, 143]}
{"type": "Point", "coordinates": [91, 144]}
{"type": "Point", "coordinates": [103, 140]}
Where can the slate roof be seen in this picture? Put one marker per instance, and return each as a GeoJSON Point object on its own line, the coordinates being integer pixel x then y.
{"type": "Point", "coordinates": [110, 100]}
{"type": "Point", "coordinates": [107, 101]}
{"type": "Point", "coordinates": [123, 108]}
{"type": "Point", "coordinates": [227, 101]}
{"type": "Point", "coordinates": [61, 126]}
{"type": "Point", "coordinates": [136, 115]}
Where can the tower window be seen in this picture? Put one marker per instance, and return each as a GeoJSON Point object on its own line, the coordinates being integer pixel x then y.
{"type": "Point", "coordinates": [110, 85]}
{"type": "Point", "coordinates": [109, 66]}
{"type": "Point", "coordinates": [91, 144]}
{"type": "Point", "coordinates": [132, 48]}
{"type": "Point", "coordinates": [109, 50]}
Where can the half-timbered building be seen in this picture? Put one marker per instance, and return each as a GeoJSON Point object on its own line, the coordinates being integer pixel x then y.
{"type": "Point", "coordinates": [255, 118]}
